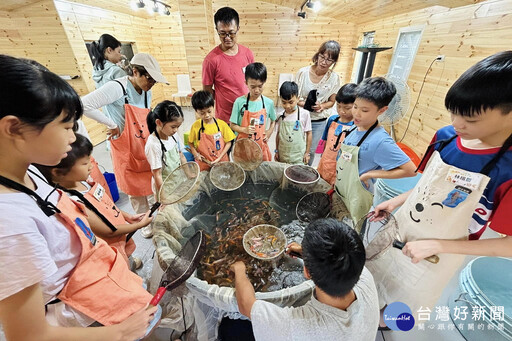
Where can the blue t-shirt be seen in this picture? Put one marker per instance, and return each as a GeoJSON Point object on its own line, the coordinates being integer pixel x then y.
{"type": "Point", "coordinates": [329, 121]}
{"type": "Point", "coordinates": [457, 155]}
{"type": "Point", "coordinates": [378, 151]}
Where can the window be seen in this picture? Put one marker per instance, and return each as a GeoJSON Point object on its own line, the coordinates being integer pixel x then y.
{"type": "Point", "coordinates": [406, 47]}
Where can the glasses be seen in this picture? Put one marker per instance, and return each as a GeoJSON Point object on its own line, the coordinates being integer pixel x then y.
{"type": "Point", "coordinates": [230, 34]}
{"type": "Point", "coordinates": [326, 59]}
{"type": "Point", "coordinates": [149, 78]}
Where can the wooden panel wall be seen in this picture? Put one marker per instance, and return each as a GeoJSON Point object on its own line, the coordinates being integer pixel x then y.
{"type": "Point", "coordinates": [464, 35]}
{"type": "Point", "coordinates": [35, 31]}
{"type": "Point", "coordinates": [198, 34]}
{"type": "Point", "coordinates": [160, 36]}
{"type": "Point", "coordinates": [284, 42]}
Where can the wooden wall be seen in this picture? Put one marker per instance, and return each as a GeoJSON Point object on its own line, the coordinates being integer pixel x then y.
{"type": "Point", "coordinates": [198, 34]}
{"type": "Point", "coordinates": [284, 42]}
{"type": "Point", "coordinates": [35, 31]}
{"type": "Point", "coordinates": [464, 35]}
{"type": "Point", "coordinates": [160, 36]}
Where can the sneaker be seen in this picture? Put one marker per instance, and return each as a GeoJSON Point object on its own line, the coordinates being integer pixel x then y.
{"type": "Point", "coordinates": [137, 263]}
{"type": "Point", "coordinates": [147, 231]}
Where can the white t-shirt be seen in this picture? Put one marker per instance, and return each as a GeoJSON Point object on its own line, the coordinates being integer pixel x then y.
{"type": "Point", "coordinates": [35, 248]}
{"type": "Point", "coordinates": [318, 321]}
{"type": "Point", "coordinates": [153, 149]}
{"type": "Point", "coordinates": [305, 119]}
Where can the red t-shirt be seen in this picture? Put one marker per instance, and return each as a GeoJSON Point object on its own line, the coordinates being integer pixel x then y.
{"type": "Point", "coordinates": [226, 74]}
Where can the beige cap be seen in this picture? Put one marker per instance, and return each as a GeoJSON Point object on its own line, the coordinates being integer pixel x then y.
{"type": "Point", "coordinates": [151, 66]}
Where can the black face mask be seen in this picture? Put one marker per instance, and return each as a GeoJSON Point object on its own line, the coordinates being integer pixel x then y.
{"type": "Point", "coordinates": [310, 101]}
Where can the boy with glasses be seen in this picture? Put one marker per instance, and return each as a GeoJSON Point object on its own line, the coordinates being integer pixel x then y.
{"type": "Point", "coordinates": [224, 66]}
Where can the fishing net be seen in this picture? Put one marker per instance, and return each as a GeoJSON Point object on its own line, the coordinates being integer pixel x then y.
{"type": "Point", "coordinates": [180, 185]}
{"type": "Point", "coordinates": [205, 304]}
{"type": "Point", "coordinates": [227, 176]}
{"type": "Point", "coordinates": [247, 153]}
{"type": "Point", "coordinates": [314, 206]}
{"type": "Point", "coordinates": [377, 236]}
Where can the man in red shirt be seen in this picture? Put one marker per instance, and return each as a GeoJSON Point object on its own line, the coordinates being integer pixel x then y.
{"type": "Point", "coordinates": [224, 66]}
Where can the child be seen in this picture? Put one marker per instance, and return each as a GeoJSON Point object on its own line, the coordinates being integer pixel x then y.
{"type": "Point", "coordinates": [209, 139]}
{"type": "Point", "coordinates": [251, 113]}
{"type": "Point", "coordinates": [343, 306]}
{"type": "Point", "coordinates": [55, 269]}
{"type": "Point", "coordinates": [334, 134]}
{"type": "Point", "coordinates": [164, 148]}
{"type": "Point", "coordinates": [368, 152]}
{"type": "Point", "coordinates": [476, 146]}
{"type": "Point", "coordinates": [106, 220]}
{"type": "Point", "coordinates": [293, 138]}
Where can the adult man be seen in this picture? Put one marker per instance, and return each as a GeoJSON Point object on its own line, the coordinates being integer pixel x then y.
{"type": "Point", "coordinates": [224, 66]}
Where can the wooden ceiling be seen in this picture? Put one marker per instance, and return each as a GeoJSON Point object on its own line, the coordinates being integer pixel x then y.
{"type": "Point", "coordinates": [120, 6]}
{"type": "Point", "coordinates": [9, 5]}
{"type": "Point", "coordinates": [359, 11]}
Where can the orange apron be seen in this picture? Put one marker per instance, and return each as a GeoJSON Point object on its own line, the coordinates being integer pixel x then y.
{"type": "Point", "coordinates": [131, 167]}
{"type": "Point", "coordinates": [259, 121]}
{"type": "Point", "coordinates": [104, 204]}
{"type": "Point", "coordinates": [210, 146]}
{"type": "Point", "coordinates": [98, 177]}
{"type": "Point", "coordinates": [335, 137]}
{"type": "Point", "coordinates": [101, 286]}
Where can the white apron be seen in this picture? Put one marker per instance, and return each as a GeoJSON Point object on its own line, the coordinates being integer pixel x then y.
{"type": "Point", "coordinates": [440, 207]}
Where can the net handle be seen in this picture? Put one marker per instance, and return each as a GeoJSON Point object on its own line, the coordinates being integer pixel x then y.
{"type": "Point", "coordinates": [434, 259]}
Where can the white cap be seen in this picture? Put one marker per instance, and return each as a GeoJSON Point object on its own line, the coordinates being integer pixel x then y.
{"type": "Point", "coordinates": [151, 66]}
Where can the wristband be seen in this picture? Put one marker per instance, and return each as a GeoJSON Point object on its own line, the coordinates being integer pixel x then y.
{"type": "Point", "coordinates": [276, 151]}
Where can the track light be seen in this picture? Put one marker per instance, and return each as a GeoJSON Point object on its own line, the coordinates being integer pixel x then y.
{"type": "Point", "coordinates": [315, 6]}
{"type": "Point", "coordinates": [137, 4]}
{"type": "Point", "coordinates": [158, 7]}
{"type": "Point", "coordinates": [155, 7]}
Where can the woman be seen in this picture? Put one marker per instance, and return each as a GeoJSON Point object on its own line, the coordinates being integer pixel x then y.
{"type": "Point", "coordinates": [320, 77]}
{"type": "Point", "coordinates": [107, 54]}
{"type": "Point", "coordinates": [127, 100]}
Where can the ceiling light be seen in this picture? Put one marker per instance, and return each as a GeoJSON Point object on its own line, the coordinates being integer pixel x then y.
{"type": "Point", "coordinates": [156, 7]}
{"type": "Point", "coordinates": [166, 11]}
{"type": "Point", "coordinates": [309, 4]}
{"type": "Point", "coordinates": [137, 4]}
{"type": "Point", "coordinates": [302, 15]}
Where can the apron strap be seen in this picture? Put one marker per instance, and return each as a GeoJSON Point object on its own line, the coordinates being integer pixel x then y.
{"type": "Point", "coordinates": [490, 165]}
{"type": "Point", "coordinates": [47, 207]}
{"type": "Point", "coordinates": [202, 129]}
{"type": "Point", "coordinates": [246, 105]}
{"type": "Point", "coordinates": [124, 91]}
{"type": "Point", "coordinates": [367, 133]}
{"type": "Point", "coordinates": [283, 116]}
{"type": "Point", "coordinates": [146, 100]}
{"type": "Point", "coordinates": [428, 153]}
{"type": "Point", "coordinates": [90, 206]}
